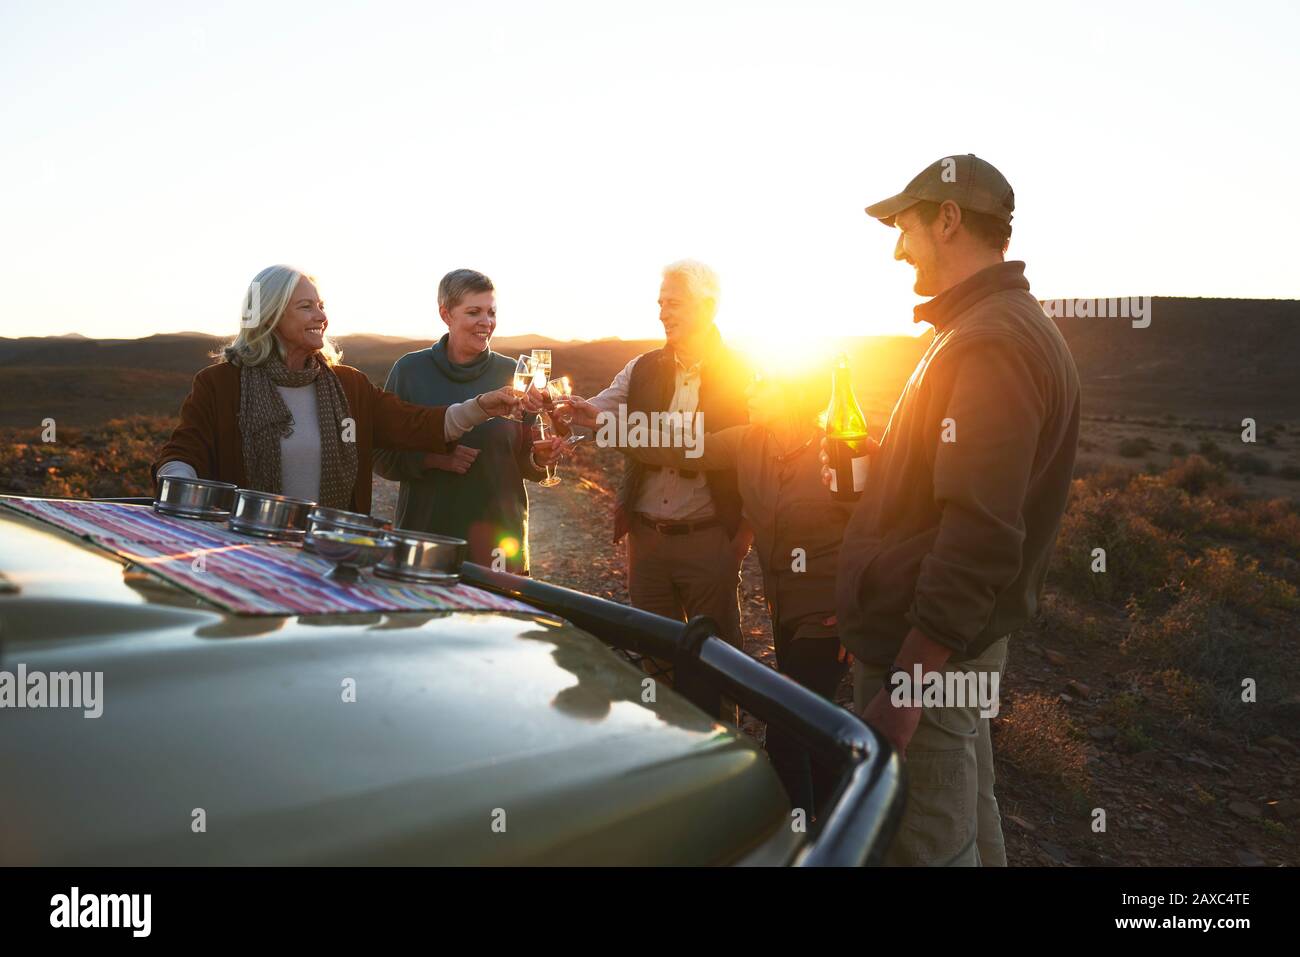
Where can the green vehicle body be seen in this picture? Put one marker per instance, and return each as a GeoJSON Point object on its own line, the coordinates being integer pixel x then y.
{"type": "Point", "coordinates": [474, 738]}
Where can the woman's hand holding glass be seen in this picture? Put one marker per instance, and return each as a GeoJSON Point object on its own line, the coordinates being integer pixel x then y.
{"type": "Point", "coordinates": [503, 402]}
{"type": "Point", "coordinates": [526, 386]}
{"type": "Point", "coordinates": [532, 400]}
{"type": "Point", "coordinates": [547, 450]}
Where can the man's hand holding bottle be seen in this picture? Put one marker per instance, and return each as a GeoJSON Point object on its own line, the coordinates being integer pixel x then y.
{"type": "Point", "coordinates": [828, 470]}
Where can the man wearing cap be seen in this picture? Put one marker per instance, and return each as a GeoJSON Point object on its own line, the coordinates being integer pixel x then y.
{"type": "Point", "coordinates": [946, 551]}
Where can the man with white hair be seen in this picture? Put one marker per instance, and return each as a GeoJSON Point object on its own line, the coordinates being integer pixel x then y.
{"type": "Point", "coordinates": [686, 538]}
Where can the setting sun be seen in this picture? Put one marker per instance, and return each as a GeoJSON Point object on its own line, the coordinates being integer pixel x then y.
{"type": "Point", "coordinates": [777, 353]}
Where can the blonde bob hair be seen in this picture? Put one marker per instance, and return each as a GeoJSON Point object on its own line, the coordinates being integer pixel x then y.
{"type": "Point", "coordinates": [265, 301]}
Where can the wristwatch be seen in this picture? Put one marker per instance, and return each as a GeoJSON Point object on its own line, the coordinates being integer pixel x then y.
{"type": "Point", "coordinates": [889, 677]}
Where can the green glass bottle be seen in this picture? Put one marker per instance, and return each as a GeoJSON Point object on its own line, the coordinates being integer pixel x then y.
{"type": "Point", "coordinates": [846, 434]}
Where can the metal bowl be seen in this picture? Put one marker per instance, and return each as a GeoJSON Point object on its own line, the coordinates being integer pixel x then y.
{"type": "Point", "coordinates": [265, 515]}
{"type": "Point", "coordinates": [350, 552]}
{"type": "Point", "coordinates": [336, 519]}
{"type": "Point", "coordinates": [198, 498]}
{"type": "Point", "coordinates": [322, 514]}
{"type": "Point", "coordinates": [423, 557]}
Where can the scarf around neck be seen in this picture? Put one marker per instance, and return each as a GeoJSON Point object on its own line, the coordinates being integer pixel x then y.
{"type": "Point", "coordinates": [264, 420]}
{"type": "Point", "coordinates": [455, 371]}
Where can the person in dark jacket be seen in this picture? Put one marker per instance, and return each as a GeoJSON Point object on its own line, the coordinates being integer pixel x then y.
{"type": "Point", "coordinates": [947, 549]}
{"type": "Point", "coordinates": [797, 532]}
{"type": "Point", "coordinates": [476, 491]}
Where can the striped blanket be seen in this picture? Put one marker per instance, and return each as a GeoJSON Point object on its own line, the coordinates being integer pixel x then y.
{"type": "Point", "coordinates": [240, 574]}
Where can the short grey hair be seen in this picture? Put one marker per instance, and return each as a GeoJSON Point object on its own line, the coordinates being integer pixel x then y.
{"type": "Point", "coordinates": [701, 280]}
{"type": "Point", "coordinates": [458, 284]}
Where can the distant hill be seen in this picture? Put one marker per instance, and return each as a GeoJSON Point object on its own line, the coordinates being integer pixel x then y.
{"type": "Point", "coordinates": [168, 352]}
{"type": "Point", "coordinates": [1231, 357]}
{"type": "Point", "coordinates": [1222, 358]}
{"type": "Point", "coordinates": [85, 381]}
{"type": "Point", "coordinates": [191, 351]}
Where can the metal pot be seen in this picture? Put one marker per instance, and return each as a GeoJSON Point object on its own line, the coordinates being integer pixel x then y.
{"type": "Point", "coordinates": [351, 551]}
{"type": "Point", "coordinates": [198, 498]}
{"type": "Point", "coordinates": [423, 557]}
{"type": "Point", "coordinates": [336, 519]}
{"type": "Point", "coordinates": [265, 515]}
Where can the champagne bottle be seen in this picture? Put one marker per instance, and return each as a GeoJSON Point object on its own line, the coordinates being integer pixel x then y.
{"type": "Point", "coordinates": [846, 434]}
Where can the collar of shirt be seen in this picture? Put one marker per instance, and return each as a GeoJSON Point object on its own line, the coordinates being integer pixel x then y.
{"type": "Point", "coordinates": [688, 370]}
{"type": "Point", "coordinates": [951, 303]}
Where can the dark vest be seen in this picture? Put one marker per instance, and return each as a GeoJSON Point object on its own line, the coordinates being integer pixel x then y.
{"type": "Point", "coordinates": [723, 379]}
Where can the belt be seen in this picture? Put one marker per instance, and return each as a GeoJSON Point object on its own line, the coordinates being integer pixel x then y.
{"type": "Point", "coordinates": [677, 528]}
{"type": "Point", "coordinates": [687, 474]}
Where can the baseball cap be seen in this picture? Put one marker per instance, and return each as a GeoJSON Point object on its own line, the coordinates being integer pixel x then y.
{"type": "Point", "coordinates": [970, 182]}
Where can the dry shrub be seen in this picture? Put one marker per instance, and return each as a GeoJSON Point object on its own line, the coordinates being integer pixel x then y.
{"type": "Point", "coordinates": [1060, 617]}
{"type": "Point", "coordinates": [1139, 556]}
{"type": "Point", "coordinates": [1144, 521]}
{"type": "Point", "coordinates": [1195, 475]}
{"type": "Point", "coordinates": [1105, 476]}
{"type": "Point", "coordinates": [1166, 638]}
{"type": "Point", "coordinates": [108, 460]}
{"type": "Point", "coordinates": [1189, 696]}
{"type": "Point", "coordinates": [1199, 649]}
{"type": "Point", "coordinates": [1272, 522]}
{"type": "Point", "coordinates": [1038, 737]}
{"type": "Point", "coordinates": [1236, 581]}
{"type": "Point", "coordinates": [1275, 521]}
{"type": "Point", "coordinates": [1198, 497]}
{"type": "Point", "coordinates": [1127, 711]}
{"type": "Point", "coordinates": [1132, 448]}
{"type": "Point", "coordinates": [1165, 504]}
{"type": "Point", "coordinates": [1211, 450]}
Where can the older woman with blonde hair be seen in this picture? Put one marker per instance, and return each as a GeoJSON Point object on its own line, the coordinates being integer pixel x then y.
{"type": "Point", "coordinates": [279, 413]}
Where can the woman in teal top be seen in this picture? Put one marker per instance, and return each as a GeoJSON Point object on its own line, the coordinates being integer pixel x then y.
{"type": "Point", "coordinates": [476, 491]}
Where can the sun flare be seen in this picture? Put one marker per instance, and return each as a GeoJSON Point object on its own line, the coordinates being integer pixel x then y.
{"type": "Point", "coordinates": [783, 354]}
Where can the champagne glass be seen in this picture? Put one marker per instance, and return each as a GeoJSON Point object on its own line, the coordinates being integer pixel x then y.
{"type": "Point", "coordinates": [542, 360]}
{"type": "Point", "coordinates": [560, 418]}
{"type": "Point", "coordinates": [523, 379]}
{"type": "Point", "coordinates": [539, 435]}
{"type": "Point", "coordinates": [541, 366]}
{"type": "Point", "coordinates": [560, 387]}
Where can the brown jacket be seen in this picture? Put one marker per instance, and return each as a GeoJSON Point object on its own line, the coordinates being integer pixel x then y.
{"type": "Point", "coordinates": [962, 504]}
{"type": "Point", "coordinates": [208, 437]}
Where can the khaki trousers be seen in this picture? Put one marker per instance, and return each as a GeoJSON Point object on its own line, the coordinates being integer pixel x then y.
{"type": "Point", "coordinates": [680, 576]}
{"type": "Point", "coordinates": [951, 817]}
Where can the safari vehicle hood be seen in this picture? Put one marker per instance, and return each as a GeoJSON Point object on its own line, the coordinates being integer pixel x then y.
{"type": "Point", "coordinates": [387, 738]}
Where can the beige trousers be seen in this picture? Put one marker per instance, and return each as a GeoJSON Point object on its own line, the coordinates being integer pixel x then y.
{"type": "Point", "coordinates": [951, 817]}
{"type": "Point", "coordinates": [680, 576]}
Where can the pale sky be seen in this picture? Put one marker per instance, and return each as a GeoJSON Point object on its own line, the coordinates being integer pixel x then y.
{"type": "Point", "coordinates": [155, 156]}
